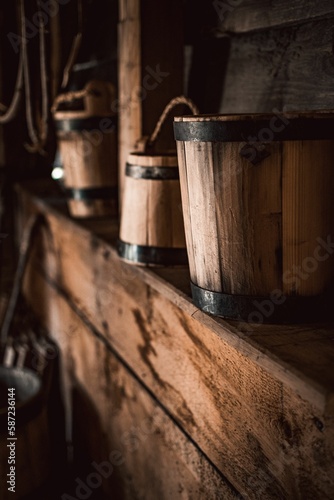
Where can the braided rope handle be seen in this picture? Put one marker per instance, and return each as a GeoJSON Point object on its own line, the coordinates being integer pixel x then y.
{"type": "Point", "coordinates": [68, 97]}
{"type": "Point", "coordinates": [174, 102]}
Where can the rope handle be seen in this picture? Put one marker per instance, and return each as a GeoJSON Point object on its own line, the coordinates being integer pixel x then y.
{"type": "Point", "coordinates": [68, 97]}
{"type": "Point", "coordinates": [97, 88]}
{"type": "Point", "coordinates": [174, 102]}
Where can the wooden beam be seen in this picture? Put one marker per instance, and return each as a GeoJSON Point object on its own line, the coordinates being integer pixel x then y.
{"type": "Point", "coordinates": [150, 455]}
{"type": "Point", "coordinates": [259, 405]}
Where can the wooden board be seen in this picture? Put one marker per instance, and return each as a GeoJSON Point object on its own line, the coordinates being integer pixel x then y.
{"type": "Point", "coordinates": [173, 284]}
{"type": "Point", "coordinates": [247, 15]}
{"type": "Point", "coordinates": [151, 456]}
{"type": "Point", "coordinates": [290, 68]}
{"type": "Point", "coordinates": [257, 401]}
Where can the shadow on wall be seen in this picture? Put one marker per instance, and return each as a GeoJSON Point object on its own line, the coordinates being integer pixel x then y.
{"type": "Point", "coordinates": [206, 56]}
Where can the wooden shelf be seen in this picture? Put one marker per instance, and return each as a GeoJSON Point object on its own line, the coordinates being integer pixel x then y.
{"type": "Point", "coordinates": [256, 401]}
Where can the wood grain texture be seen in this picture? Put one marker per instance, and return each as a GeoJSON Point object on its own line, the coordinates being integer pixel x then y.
{"type": "Point", "coordinates": [314, 385]}
{"type": "Point", "coordinates": [201, 192]}
{"type": "Point", "coordinates": [245, 210]}
{"type": "Point", "coordinates": [255, 225]}
{"type": "Point", "coordinates": [151, 212]}
{"type": "Point", "coordinates": [186, 207]}
{"type": "Point", "coordinates": [236, 393]}
{"type": "Point", "coordinates": [247, 15]}
{"type": "Point", "coordinates": [280, 68]}
{"type": "Point", "coordinates": [154, 458]}
{"type": "Point", "coordinates": [308, 206]}
{"type": "Point", "coordinates": [129, 77]}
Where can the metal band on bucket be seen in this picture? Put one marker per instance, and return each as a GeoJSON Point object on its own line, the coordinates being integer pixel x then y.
{"type": "Point", "coordinates": [152, 173]}
{"type": "Point", "coordinates": [257, 309]}
{"type": "Point", "coordinates": [97, 193]}
{"type": "Point", "coordinates": [89, 124]}
{"type": "Point", "coordinates": [241, 130]}
{"type": "Point", "coordinates": [152, 255]}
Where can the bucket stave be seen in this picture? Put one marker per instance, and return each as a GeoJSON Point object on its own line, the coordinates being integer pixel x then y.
{"type": "Point", "coordinates": [88, 147]}
{"type": "Point", "coordinates": [258, 211]}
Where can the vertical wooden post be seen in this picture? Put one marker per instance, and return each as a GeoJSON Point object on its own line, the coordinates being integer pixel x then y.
{"type": "Point", "coordinates": [150, 67]}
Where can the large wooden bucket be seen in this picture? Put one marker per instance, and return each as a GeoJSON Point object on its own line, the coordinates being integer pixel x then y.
{"type": "Point", "coordinates": [88, 147]}
{"type": "Point", "coordinates": [25, 456]}
{"type": "Point", "coordinates": [258, 203]}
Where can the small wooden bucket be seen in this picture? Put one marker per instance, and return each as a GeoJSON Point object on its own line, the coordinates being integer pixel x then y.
{"type": "Point", "coordinates": [257, 195]}
{"type": "Point", "coordinates": [28, 449]}
{"type": "Point", "coordinates": [152, 230]}
{"type": "Point", "coordinates": [88, 148]}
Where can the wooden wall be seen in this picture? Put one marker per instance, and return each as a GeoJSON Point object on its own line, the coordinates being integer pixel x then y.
{"type": "Point", "coordinates": [281, 55]}
{"type": "Point", "coordinates": [253, 56]}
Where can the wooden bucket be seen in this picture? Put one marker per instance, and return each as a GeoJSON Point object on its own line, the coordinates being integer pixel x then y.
{"type": "Point", "coordinates": [29, 452]}
{"type": "Point", "coordinates": [258, 204]}
{"type": "Point", "coordinates": [88, 147]}
{"type": "Point", "coordinates": [152, 230]}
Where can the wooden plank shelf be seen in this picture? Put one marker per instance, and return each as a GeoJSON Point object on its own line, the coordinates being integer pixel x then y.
{"type": "Point", "coordinates": [256, 400]}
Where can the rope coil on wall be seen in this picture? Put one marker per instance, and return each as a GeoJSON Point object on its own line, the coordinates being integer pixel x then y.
{"type": "Point", "coordinates": [11, 111]}
{"type": "Point", "coordinates": [38, 139]}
